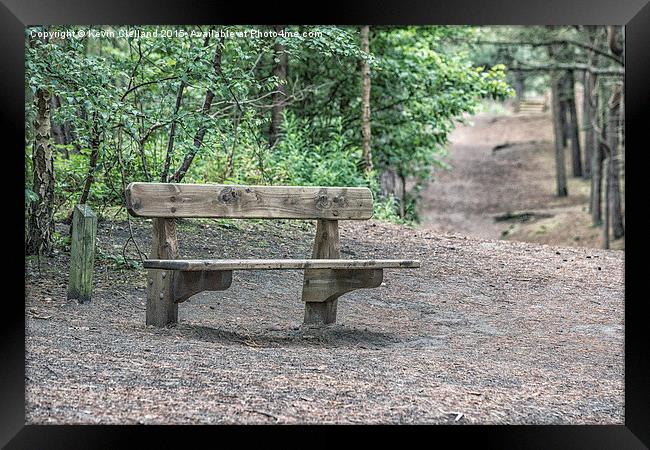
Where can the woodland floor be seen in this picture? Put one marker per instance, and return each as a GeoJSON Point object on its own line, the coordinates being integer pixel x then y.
{"type": "Point", "coordinates": [485, 332]}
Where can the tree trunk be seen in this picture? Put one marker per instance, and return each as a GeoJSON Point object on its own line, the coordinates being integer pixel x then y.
{"type": "Point", "coordinates": [596, 185]}
{"type": "Point", "coordinates": [589, 107]}
{"type": "Point", "coordinates": [598, 161]}
{"type": "Point", "coordinates": [606, 169]}
{"type": "Point", "coordinates": [172, 134]}
{"type": "Point", "coordinates": [40, 225]}
{"type": "Point", "coordinates": [560, 169]}
{"type": "Point", "coordinates": [574, 129]}
{"type": "Point", "coordinates": [402, 203]}
{"type": "Point", "coordinates": [617, 48]}
{"type": "Point", "coordinates": [280, 71]}
{"type": "Point", "coordinates": [613, 39]}
{"type": "Point", "coordinates": [563, 112]}
{"type": "Point", "coordinates": [588, 111]}
{"type": "Point", "coordinates": [365, 101]}
{"type": "Point", "coordinates": [392, 184]}
{"type": "Point", "coordinates": [520, 87]}
{"type": "Point", "coordinates": [200, 134]}
{"type": "Point", "coordinates": [614, 163]}
{"type": "Point", "coordinates": [143, 158]}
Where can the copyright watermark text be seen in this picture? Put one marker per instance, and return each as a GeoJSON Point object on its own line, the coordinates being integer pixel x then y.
{"type": "Point", "coordinates": [111, 33]}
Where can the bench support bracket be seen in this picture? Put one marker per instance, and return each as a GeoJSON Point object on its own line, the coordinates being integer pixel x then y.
{"type": "Point", "coordinates": [189, 283]}
{"type": "Point", "coordinates": [322, 288]}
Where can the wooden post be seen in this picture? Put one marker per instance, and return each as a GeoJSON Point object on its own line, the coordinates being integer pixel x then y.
{"type": "Point", "coordinates": [161, 307]}
{"type": "Point", "coordinates": [82, 254]}
{"type": "Point", "coordinates": [326, 246]}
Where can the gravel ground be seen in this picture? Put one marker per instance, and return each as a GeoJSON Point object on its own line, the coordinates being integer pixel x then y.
{"type": "Point", "coordinates": [485, 332]}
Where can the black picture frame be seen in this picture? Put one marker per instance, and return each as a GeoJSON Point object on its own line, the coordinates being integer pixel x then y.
{"type": "Point", "coordinates": [635, 14]}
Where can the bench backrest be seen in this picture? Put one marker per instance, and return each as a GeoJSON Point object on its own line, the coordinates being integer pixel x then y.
{"type": "Point", "coordinates": [169, 200]}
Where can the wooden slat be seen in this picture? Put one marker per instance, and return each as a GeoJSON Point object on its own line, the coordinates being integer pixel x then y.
{"type": "Point", "coordinates": [271, 264]}
{"type": "Point", "coordinates": [248, 202]}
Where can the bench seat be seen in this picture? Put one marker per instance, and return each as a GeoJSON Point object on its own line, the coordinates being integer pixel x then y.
{"type": "Point", "coordinates": [274, 264]}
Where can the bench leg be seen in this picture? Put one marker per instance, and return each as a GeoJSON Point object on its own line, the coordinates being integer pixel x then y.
{"type": "Point", "coordinates": [320, 313]}
{"type": "Point", "coordinates": [161, 307]}
{"type": "Point", "coordinates": [322, 288]}
{"type": "Point", "coordinates": [326, 245]}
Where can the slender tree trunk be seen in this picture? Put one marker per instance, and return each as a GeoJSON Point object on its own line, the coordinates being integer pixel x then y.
{"type": "Point", "coordinates": [40, 226]}
{"type": "Point", "coordinates": [618, 49]}
{"type": "Point", "coordinates": [560, 169]}
{"type": "Point", "coordinates": [589, 108]}
{"type": "Point", "coordinates": [574, 129]}
{"type": "Point", "coordinates": [387, 182]}
{"type": "Point", "coordinates": [402, 201]}
{"type": "Point", "coordinates": [391, 183]}
{"type": "Point", "coordinates": [606, 163]}
{"type": "Point", "coordinates": [614, 164]}
{"type": "Point", "coordinates": [205, 110]}
{"type": "Point", "coordinates": [280, 71]}
{"type": "Point", "coordinates": [143, 158]}
{"type": "Point", "coordinates": [587, 113]}
{"type": "Point", "coordinates": [613, 39]}
{"type": "Point", "coordinates": [596, 185]}
{"type": "Point", "coordinates": [605, 175]}
{"type": "Point", "coordinates": [70, 136]}
{"type": "Point", "coordinates": [520, 87]}
{"type": "Point", "coordinates": [564, 113]}
{"type": "Point", "coordinates": [365, 100]}
{"type": "Point", "coordinates": [598, 161]}
{"type": "Point", "coordinates": [172, 133]}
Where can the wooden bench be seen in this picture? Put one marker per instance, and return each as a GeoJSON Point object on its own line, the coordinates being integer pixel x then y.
{"type": "Point", "coordinates": [326, 276]}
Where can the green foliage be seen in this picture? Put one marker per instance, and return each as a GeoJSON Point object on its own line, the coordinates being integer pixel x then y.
{"type": "Point", "coordinates": [387, 209]}
{"type": "Point", "coordinates": [117, 260]}
{"type": "Point", "coordinates": [297, 160]}
{"type": "Point", "coordinates": [434, 91]}
{"type": "Point", "coordinates": [118, 95]}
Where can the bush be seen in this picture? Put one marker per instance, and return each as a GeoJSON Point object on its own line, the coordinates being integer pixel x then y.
{"type": "Point", "coordinates": [297, 160]}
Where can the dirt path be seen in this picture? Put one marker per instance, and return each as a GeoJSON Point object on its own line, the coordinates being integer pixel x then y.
{"type": "Point", "coordinates": [484, 183]}
{"type": "Point", "coordinates": [485, 332]}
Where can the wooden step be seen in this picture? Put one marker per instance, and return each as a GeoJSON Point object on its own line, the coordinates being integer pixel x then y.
{"type": "Point", "coordinates": [274, 264]}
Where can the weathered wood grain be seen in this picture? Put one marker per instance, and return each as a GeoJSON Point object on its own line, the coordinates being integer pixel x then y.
{"type": "Point", "coordinates": [82, 254]}
{"type": "Point", "coordinates": [276, 264]}
{"type": "Point", "coordinates": [189, 283]}
{"type": "Point", "coordinates": [327, 246]}
{"type": "Point", "coordinates": [248, 202]}
{"type": "Point", "coordinates": [326, 285]}
{"type": "Point", "coordinates": [161, 307]}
